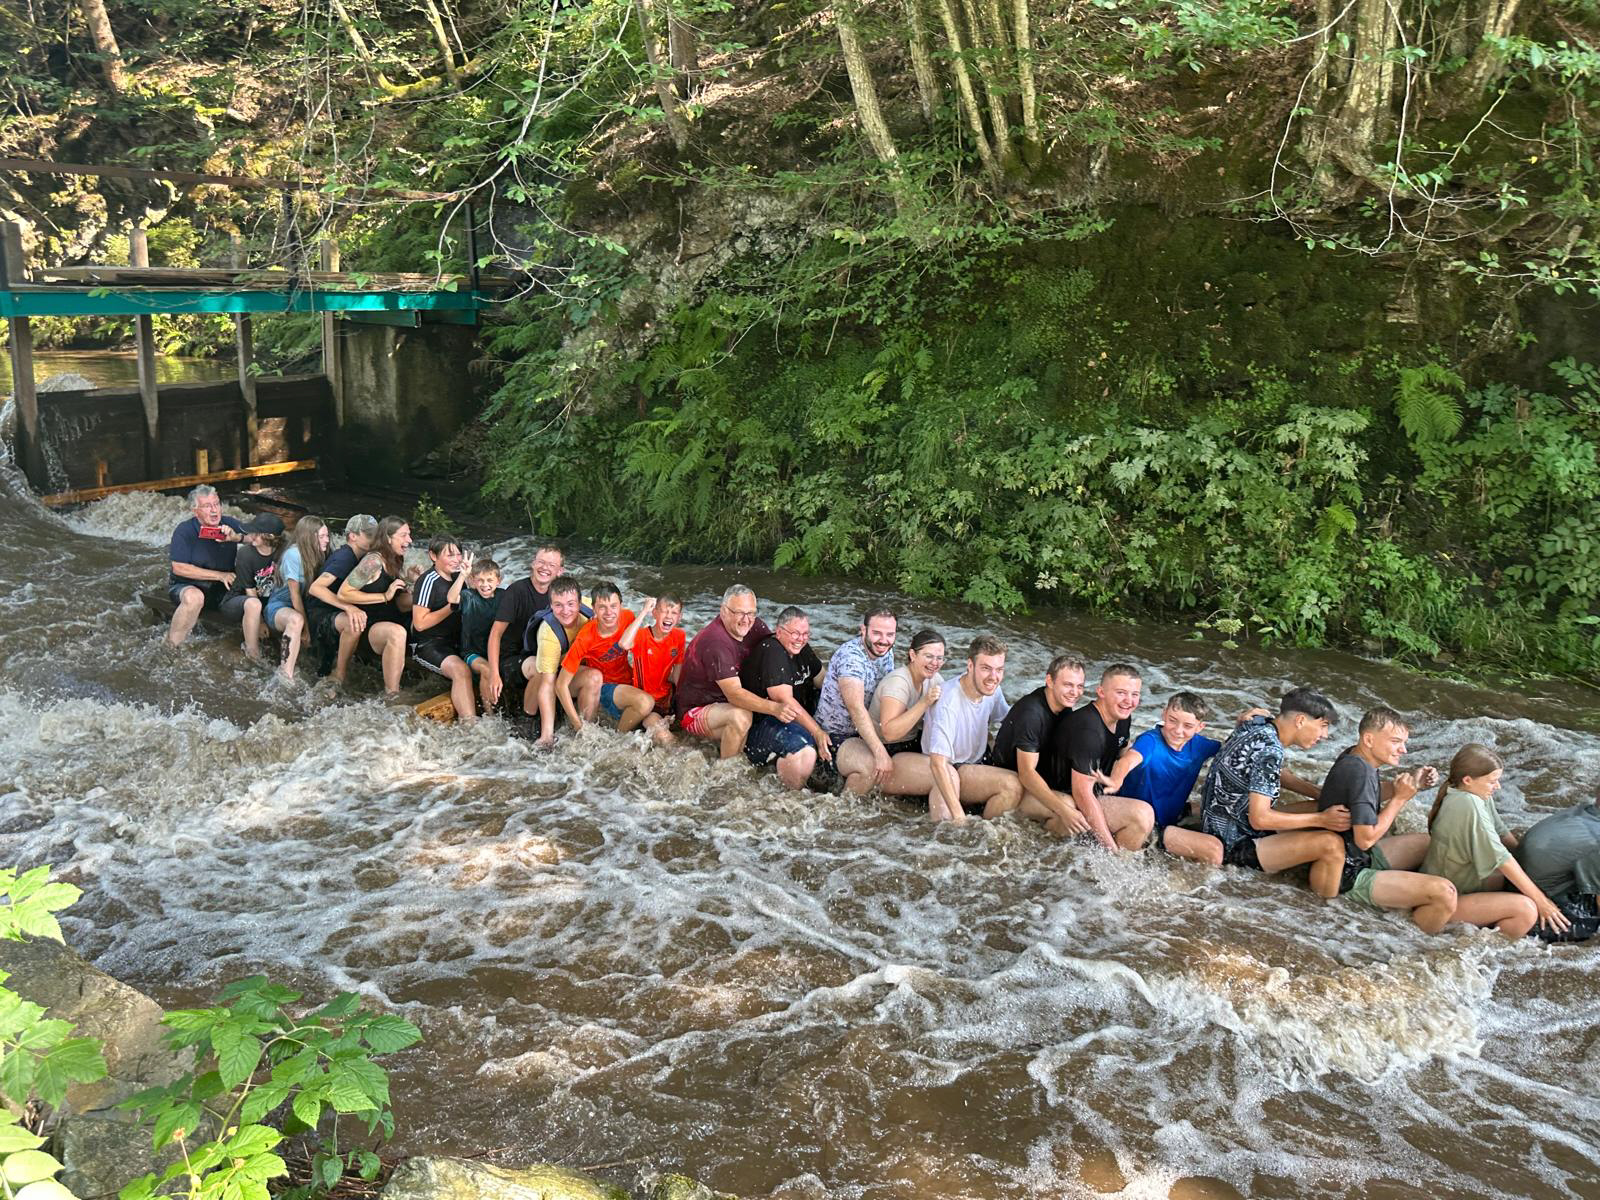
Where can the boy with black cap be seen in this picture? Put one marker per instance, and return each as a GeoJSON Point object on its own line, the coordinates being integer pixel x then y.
{"type": "Point", "coordinates": [254, 578]}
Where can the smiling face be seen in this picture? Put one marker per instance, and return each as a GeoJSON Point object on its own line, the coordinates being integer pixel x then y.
{"type": "Point", "coordinates": [486, 584]}
{"type": "Point", "coordinates": [323, 537]}
{"type": "Point", "coordinates": [1483, 785]}
{"type": "Point", "coordinates": [1117, 697]}
{"type": "Point", "coordinates": [1387, 745]}
{"type": "Point", "coordinates": [1177, 727]}
{"type": "Point", "coordinates": [448, 560]}
{"type": "Point", "coordinates": [1064, 688]}
{"type": "Point", "coordinates": [926, 660]}
{"type": "Point", "coordinates": [565, 607]}
{"type": "Point", "coordinates": [794, 635]}
{"type": "Point", "coordinates": [987, 671]}
{"type": "Point", "coordinates": [608, 611]}
{"type": "Point", "coordinates": [401, 541]}
{"type": "Point", "coordinates": [667, 617]}
{"type": "Point", "coordinates": [738, 615]}
{"type": "Point", "coordinates": [878, 635]}
{"type": "Point", "coordinates": [208, 509]}
{"type": "Point", "coordinates": [546, 566]}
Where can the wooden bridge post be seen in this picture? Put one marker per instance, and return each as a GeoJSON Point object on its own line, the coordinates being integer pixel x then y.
{"type": "Point", "coordinates": [30, 450]}
{"type": "Point", "coordinates": [244, 342]}
{"type": "Point", "coordinates": [332, 364]}
{"type": "Point", "coordinates": [145, 349]}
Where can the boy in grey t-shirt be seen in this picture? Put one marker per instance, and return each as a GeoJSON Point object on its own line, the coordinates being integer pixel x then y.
{"type": "Point", "coordinates": [955, 737]}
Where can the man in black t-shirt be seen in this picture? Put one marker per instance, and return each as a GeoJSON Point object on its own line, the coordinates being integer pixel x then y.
{"type": "Point", "coordinates": [202, 555]}
{"type": "Point", "coordinates": [1085, 748]}
{"type": "Point", "coordinates": [784, 668]}
{"type": "Point", "coordinates": [509, 664]}
{"type": "Point", "coordinates": [1027, 734]}
{"type": "Point", "coordinates": [329, 617]}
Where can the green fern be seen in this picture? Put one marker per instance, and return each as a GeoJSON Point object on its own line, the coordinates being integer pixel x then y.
{"type": "Point", "coordinates": [1426, 410]}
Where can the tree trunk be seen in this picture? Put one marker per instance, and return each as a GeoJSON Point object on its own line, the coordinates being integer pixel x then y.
{"type": "Point", "coordinates": [1319, 70]}
{"type": "Point", "coordinates": [864, 90]}
{"type": "Point", "coordinates": [359, 43]}
{"type": "Point", "coordinates": [1486, 63]}
{"type": "Point", "coordinates": [676, 125]}
{"type": "Point", "coordinates": [922, 62]}
{"type": "Point", "coordinates": [1030, 100]}
{"type": "Point", "coordinates": [983, 62]}
{"type": "Point", "coordinates": [105, 44]}
{"type": "Point", "coordinates": [1370, 90]}
{"type": "Point", "coordinates": [969, 101]}
{"type": "Point", "coordinates": [442, 40]}
{"type": "Point", "coordinates": [683, 49]}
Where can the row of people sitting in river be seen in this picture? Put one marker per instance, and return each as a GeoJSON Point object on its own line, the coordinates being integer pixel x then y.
{"type": "Point", "coordinates": [904, 731]}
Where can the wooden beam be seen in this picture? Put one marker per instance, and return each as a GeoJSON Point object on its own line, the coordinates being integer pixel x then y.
{"type": "Point", "coordinates": [244, 343]}
{"type": "Point", "coordinates": [84, 495]}
{"type": "Point", "coordinates": [37, 166]}
{"type": "Point", "coordinates": [144, 345]}
{"type": "Point", "coordinates": [332, 363]}
{"type": "Point", "coordinates": [24, 387]}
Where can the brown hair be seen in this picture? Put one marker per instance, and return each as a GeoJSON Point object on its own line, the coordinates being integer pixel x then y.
{"type": "Point", "coordinates": [1472, 761]}
{"type": "Point", "coordinates": [1376, 720]}
{"type": "Point", "coordinates": [1188, 702]}
{"type": "Point", "coordinates": [987, 645]}
{"type": "Point", "coordinates": [311, 554]}
{"type": "Point", "coordinates": [484, 566]}
{"type": "Point", "coordinates": [387, 528]}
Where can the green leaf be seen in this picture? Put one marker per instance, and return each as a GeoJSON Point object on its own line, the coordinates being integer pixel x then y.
{"type": "Point", "coordinates": [308, 1107]}
{"type": "Point", "coordinates": [16, 1076]}
{"type": "Point", "coordinates": [238, 1053]}
{"type": "Point", "coordinates": [371, 1164]}
{"type": "Point", "coordinates": [357, 1084]}
{"type": "Point", "coordinates": [263, 1100]}
{"type": "Point", "coordinates": [76, 1060]}
{"type": "Point", "coordinates": [386, 1034]}
{"type": "Point", "coordinates": [26, 1166]}
{"type": "Point", "coordinates": [330, 1170]}
{"type": "Point", "coordinates": [338, 1008]}
{"type": "Point", "coordinates": [179, 1119]}
{"type": "Point", "coordinates": [252, 1140]}
{"type": "Point", "coordinates": [13, 1138]}
{"type": "Point", "coordinates": [45, 1189]}
{"type": "Point", "coordinates": [139, 1189]}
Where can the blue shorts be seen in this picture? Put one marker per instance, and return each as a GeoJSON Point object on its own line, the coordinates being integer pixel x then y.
{"type": "Point", "coordinates": [608, 700]}
{"type": "Point", "coordinates": [276, 603]}
{"type": "Point", "coordinates": [771, 739]}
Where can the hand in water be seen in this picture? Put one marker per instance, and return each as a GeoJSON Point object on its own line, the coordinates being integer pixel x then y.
{"type": "Point", "coordinates": [1551, 917]}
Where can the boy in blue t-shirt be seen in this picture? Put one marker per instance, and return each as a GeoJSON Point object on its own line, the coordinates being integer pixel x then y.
{"type": "Point", "coordinates": [1161, 766]}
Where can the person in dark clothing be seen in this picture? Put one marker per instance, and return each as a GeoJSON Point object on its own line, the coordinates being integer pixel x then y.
{"type": "Point", "coordinates": [436, 623]}
{"type": "Point", "coordinates": [511, 669]}
{"type": "Point", "coordinates": [335, 624]}
{"type": "Point", "coordinates": [1026, 737]}
{"type": "Point", "coordinates": [784, 668]}
{"type": "Point", "coordinates": [202, 555]}
{"type": "Point", "coordinates": [378, 585]}
{"type": "Point", "coordinates": [1084, 751]}
{"type": "Point", "coordinates": [255, 578]}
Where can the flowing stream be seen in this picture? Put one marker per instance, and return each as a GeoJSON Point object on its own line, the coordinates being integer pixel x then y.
{"type": "Point", "coordinates": [628, 957]}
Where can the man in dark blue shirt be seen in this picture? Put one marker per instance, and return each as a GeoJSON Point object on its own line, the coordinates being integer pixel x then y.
{"type": "Point", "coordinates": [203, 551]}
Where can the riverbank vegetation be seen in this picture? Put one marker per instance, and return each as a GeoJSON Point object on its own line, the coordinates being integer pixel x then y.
{"type": "Point", "coordinates": [1272, 318]}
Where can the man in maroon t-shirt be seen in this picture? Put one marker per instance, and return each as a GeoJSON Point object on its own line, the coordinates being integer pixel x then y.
{"type": "Point", "coordinates": [710, 700]}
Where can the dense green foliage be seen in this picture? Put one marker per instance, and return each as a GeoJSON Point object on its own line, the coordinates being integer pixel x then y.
{"type": "Point", "coordinates": [257, 1056]}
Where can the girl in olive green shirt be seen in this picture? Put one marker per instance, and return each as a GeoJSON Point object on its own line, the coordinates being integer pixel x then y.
{"type": "Point", "coordinates": [1471, 847]}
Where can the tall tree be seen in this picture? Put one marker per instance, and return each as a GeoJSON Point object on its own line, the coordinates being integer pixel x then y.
{"type": "Point", "coordinates": [105, 44]}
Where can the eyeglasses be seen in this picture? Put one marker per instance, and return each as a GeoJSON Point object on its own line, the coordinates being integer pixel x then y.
{"type": "Point", "coordinates": [739, 612]}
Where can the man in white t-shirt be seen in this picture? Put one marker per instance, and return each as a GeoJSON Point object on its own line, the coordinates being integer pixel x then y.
{"type": "Point", "coordinates": [955, 737]}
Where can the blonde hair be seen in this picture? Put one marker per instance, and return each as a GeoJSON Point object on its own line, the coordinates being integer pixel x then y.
{"type": "Point", "coordinates": [1472, 761]}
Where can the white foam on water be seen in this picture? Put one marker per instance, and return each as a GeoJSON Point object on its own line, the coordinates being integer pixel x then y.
{"type": "Point", "coordinates": [146, 518]}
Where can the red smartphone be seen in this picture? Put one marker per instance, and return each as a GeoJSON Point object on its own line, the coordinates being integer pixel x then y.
{"type": "Point", "coordinates": [214, 533]}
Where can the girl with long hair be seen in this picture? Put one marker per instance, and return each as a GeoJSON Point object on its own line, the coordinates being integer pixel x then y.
{"type": "Point", "coordinates": [378, 586]}
{"type": "Point", "coordinates": [300, 563]}
{"type": "Point", "coordinates": [1470, 845]}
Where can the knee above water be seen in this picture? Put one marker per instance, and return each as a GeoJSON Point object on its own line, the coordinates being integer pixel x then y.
{"type": "Point", "coordinates": [742, 718]}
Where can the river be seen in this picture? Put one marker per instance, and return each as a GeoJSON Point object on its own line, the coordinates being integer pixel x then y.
{"type": "Point", "coordinates": [108, 368]}
{"type": "Point", "coordinates": [632, 957]}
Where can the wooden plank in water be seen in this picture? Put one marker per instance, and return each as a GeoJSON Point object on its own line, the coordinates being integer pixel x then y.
{"type": "Point", "coordinates": [84, 495]}
{"type": "Point", "coordinates": [438, 708]}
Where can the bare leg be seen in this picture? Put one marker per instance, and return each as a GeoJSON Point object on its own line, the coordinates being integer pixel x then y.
{"type": "Point", "coordinates": [852, 758]}
{"type": "Point", "coordinates": [659, 728]}
{"type": "Point", "coordinates": [388, 640]}
{"type": "Point", "coordinates": [794, 769]}
{"type": "Point", "coordinates": [998, 790]}
{"type": "Point", "coordinates": [1511, 913]}
{"type": "Point", "coordinates": [1323, 850]}
{"type": "Point", "coordinates": [1196, 847]}
{"type": "Point", "coordinates": [252, 628]}
{"type": "Point", "coordinates": [1130, 821]}
{"type": "Point", "coordinates": [545, 687]}
{"type": "Point", "coordinates": [913, 775]}
{"type": "Point", "coordinates": [1405, 851]}
{"type": "Point", "coordinates": [292, 626]}
{"type": "Point", "coordinates": [636, 706]}
{"type": "Point", "coordinates": [191, 601]}
{"type": "Point", "coordinates": [587, 691]}
{"type": "Point", "coordinates": [1430, 898]}
{"type": "Point", "coordinates": [461, 698]}
{"type": "Point", "coordinates": [480, 670]}
{"type": "Point", "coordinates": [728, 725]}
{"type": "Point", "coordinates": [347, 647]}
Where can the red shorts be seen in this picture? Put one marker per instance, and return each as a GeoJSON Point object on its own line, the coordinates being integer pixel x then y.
{"type": "Point", "coordinates": [694, 721]}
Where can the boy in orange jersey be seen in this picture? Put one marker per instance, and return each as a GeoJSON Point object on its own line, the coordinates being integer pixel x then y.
{"type": "Point", "coordinates": [600, 668]}
{"type": "Point", "coordinates": [657, 651]}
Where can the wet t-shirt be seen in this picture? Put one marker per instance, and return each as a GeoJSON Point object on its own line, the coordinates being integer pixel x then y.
{"type": "Point", "coordinates": [714, 654]}
{"type": "Point", "coordinates": [653, 660]}
{"type": "Point", "coordinates": [1562, 852]}
{"type": "Point", "coordinates": [591, 648]}
{"type": "Point", "coordinates": [1464, 843]}
{"type": "Point", "coordinates": [339, 564]}
{"type": "Point", "coordinates": [518, 603]}
{"type": "Point", "coordinates": [770, 666]}
{"type": "Point", "coordinates": [477, 615]}
{"type": "Point", "coordinates": [1354, 783]}
{"type": "Point", "coordinates": [1251, 760]}
{"type": "Point", "coordinates": [898, 685]}
{"type": "Point", "coordinates": [1028, 726]}
{"type": "Point", "coordinates": [188, 546]}
{"type": "Point", "coordinates": [433, 593]}
{"type": "Point", "coordinates": [1083, 743]}
{"type": "Point", "coordinates": [1165, 777]}
{"type": "Point", "coordinates": [958, 728]}
{"type": "Point", "coordinates": [849, 661]}
{"type": "Point", "coordinates": [254, 573]}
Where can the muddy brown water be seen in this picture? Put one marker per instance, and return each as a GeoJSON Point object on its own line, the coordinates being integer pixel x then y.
{"type": "Point", "coordinates": [642, 958]}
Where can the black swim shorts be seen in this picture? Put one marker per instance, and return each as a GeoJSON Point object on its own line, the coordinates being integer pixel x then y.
{"type": "Point", "coordinates": [432, 652]}
{"type": "Point", "coordinates": [1584, 913]}
{"type": "Point", "coordinates": [1242, 854]}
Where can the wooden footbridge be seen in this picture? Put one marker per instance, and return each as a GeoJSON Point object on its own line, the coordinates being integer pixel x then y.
{"type": "Point", "coordinates": [141, 291]}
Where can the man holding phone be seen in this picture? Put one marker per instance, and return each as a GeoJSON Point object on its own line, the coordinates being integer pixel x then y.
{"type": "Point", "coordinates": [202, 552]}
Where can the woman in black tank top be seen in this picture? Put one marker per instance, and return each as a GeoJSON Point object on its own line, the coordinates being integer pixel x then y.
{"type": "Point", "coordinates": [378, 585]}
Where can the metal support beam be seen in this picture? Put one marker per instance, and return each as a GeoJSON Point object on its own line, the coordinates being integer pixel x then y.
{"type": "Point", "coordinates": [13, 271]}
{"type": "Point", "coordinates": [144, 344]}
{"type": "Point", "coordinates": [332, 362]}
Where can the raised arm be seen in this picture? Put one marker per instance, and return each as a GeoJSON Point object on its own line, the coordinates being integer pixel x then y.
{"type": "Point", "coordinates": [1400, 793]}
{"type": "Point", "coordinates": [631, 633]}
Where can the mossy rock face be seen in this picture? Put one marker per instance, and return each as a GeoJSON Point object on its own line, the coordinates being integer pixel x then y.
{"type": "Point", "coordinates": [464, 1179]}
{"type": "Point", "coordinates": [681, 1187]}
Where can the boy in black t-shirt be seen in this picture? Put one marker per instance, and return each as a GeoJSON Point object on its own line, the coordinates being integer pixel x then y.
{"type": "Point", "coordinates": [255, 567]}
{"type": "Point", "coordinates": [1085, 748]}
{"type": "Point", "coordinates": [1025, 739]}
{"type": "Point", "coordinates": [784, 668]}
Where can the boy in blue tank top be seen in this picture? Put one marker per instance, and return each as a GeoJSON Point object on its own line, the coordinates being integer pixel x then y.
{"type": "Point", "coordinates": [1161, 766]}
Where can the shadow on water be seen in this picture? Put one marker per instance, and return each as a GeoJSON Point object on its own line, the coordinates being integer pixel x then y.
{"type": "Point", "coordinates": [626, 955]}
